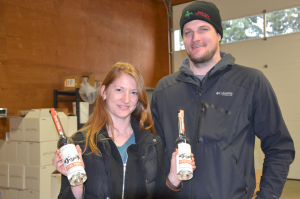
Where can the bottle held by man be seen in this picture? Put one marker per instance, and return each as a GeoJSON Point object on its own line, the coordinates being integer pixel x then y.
{"type": "Point", "coordinates": [184, 158]}
{"type": "Point", "coordinates": [72, 163]}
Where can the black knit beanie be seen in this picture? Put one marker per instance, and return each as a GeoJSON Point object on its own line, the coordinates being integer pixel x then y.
{"type": "Point", "coordinates": [202, 10]}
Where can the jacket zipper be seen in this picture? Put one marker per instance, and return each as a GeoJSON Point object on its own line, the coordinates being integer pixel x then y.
{"type": "Point", "coordinates": [198, 134]}
{"type": "Point", "coordinates": [201, 122]}
{"type": "Point", "coordinates": [201, 115]}
{"type": "Point", "coordinates": [124, 169]}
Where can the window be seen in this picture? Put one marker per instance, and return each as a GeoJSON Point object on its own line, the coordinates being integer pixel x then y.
{"type": "Point", "coordinates": [283, 22]}
{"type": "Point", "coordinates": [243, 29]}
{"type": "Point", "coordinates": [178, 41]}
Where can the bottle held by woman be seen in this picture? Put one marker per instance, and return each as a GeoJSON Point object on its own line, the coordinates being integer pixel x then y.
{"type": "Point", "coordinates": [72, 163]}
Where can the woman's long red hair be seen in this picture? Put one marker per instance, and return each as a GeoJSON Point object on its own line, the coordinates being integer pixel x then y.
{"type": "Point", "coordinates": [101, 118]}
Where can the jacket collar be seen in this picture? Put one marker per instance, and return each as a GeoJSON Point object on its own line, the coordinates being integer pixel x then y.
{"type": "Point", "coordinates": [188, 75]}
{"type": "Point", "coordinates": [140, 134]}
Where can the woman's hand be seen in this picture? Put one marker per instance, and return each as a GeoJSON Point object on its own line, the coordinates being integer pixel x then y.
{"type": "Point", "coordinates": [173, 178]}
{"type": "Point", "coordinates": [58, 160]}
{"type": "Point", "coordinates": [59, 165]}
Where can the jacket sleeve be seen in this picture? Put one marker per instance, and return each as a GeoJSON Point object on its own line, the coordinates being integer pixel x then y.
{"type": "Point", "coordinates": [156, 118]}
{"type": "Point", "coordinates": [158, 127]}
{"type": "Point", "coordinates": [161, 190]}
{"type": "Point", "coordinates": [276, 142]}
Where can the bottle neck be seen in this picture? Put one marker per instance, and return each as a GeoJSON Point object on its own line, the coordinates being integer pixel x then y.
{"type": "Point", "coordinates": [62, 135]}
{"type": "Point", "coordinates": [181, 133]}
{"type": "Point", "coordinates": [181, 126]}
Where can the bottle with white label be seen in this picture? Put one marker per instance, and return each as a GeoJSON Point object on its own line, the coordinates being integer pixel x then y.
{"type": "Point", "coordinates": [183, 158]}
{"type": "Point", "coordinates": [72, 163]}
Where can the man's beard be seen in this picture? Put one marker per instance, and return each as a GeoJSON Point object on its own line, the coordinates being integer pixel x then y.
{"type": "Point", "coordinates": [203, 59]}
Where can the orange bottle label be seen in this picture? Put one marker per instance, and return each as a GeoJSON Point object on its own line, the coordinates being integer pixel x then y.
{"type": "Point", "coordinates": [185, 161]}
{"type": "Point", "coordinates": [74, 164]}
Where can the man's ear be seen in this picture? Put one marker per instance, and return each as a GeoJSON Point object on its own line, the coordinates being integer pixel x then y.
{"type": "Point", "coordinates": [219, 37]}
{"type": "Point", "coordinates": [103, 93]}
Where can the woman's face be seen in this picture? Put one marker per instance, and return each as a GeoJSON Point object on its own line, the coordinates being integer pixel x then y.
{"type": "Point", "coordinates": [121, 97]}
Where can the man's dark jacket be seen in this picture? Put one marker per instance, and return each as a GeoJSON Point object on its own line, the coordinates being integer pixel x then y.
{"type": "Point", "coordinates": [223, 114]}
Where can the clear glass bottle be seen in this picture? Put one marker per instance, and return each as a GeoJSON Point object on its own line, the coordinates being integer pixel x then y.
{"type": "Point", "coordinates": [184, 158]}
{"type": "Point", "coordinates": [72, 163]}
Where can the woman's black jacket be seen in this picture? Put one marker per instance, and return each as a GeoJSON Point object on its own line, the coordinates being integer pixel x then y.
{"type": "Point", "coordinates": [145, 175]}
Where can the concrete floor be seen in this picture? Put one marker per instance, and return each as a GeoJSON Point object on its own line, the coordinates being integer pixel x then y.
{"type": "Point", "coordinates": [291, 190]}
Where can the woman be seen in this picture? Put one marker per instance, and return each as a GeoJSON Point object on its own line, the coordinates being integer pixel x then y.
{"type": "Point", "coordinates": [123, 157]}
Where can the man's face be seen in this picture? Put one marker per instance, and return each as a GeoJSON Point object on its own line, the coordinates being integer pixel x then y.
{"type": "Point", "coordinates": [201, 41]}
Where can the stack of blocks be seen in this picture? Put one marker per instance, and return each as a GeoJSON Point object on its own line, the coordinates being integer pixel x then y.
{"type": "Point", "coordinates": [26, 154]}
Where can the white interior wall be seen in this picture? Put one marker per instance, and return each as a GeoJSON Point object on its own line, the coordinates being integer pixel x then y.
{"type": "Point", "coordinates": [280, 53]}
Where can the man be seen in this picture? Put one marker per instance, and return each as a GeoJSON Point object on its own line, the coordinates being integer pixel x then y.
{"type": "Point", "coordinates": [225, 105]}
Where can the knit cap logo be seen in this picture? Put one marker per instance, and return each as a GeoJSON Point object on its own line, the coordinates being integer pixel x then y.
{"type": "Point", "coordinates": [203, 14]}
{"type": "Point", "coordinates": [188, 14]}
